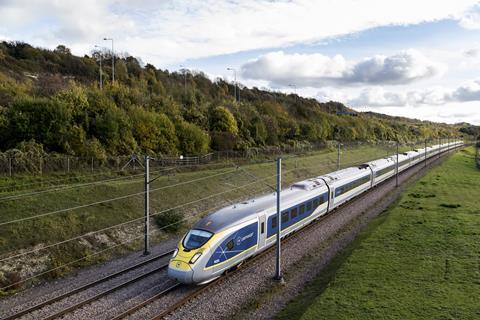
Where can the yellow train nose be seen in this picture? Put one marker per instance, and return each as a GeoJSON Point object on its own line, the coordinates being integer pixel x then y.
{"type": "Point", "coordinates": [181, 271]}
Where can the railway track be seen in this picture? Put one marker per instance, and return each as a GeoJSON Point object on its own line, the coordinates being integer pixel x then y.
{"type": "Point", "coordinates": [173, 286]}
{"type": "Point", "coordinates": [92, 284]}
{"type": "Point", "coordinates": [196, 292]}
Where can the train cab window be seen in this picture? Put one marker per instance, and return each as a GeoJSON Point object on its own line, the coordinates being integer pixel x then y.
{"type": "Point", "coordinates": [196, 238]}
{"type": "Point", "coordinates": [315, 203]}
{"type": "Point", "coordinates": [294, 213]}
{"type": "Point", "coordinates": [302, 209]}
{"type": "Point", "coordinates": [274, 222]}
{"type": "Point", "coordinates": [230, 245]}
{"type": "Point", "coordinates": [309, 205]}
{"type": "Point", "coordinates": [284, 216]}
{"type": "Point", "coordinates": [262, 227]}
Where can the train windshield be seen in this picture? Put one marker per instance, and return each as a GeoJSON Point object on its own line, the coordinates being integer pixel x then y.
{"type": "Point", "coordinates": [196, 238]}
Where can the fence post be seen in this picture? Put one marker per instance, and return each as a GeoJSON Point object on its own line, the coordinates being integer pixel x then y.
{"type": "Point", "coordinates": [10, 166]}
{"type": "Point", "coordinates": [92, 164]}
{"type": "Point", "coordinates": [40, 165]}
{"type": "Point", "coordinates": [147, 207]}
{"type": "Point", "coordinates": [68, 164]}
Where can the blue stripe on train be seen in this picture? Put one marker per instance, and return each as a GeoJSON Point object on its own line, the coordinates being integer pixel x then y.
{"type": "Point", "coordinates": [234, 244]}
{"type": "Point", "coordinates": [300, 216]}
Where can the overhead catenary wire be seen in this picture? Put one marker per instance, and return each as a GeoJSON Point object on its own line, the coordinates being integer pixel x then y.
{"type": "Point", "coordinates": [153, 214]}
{"type": "Point", "coordinates": [163, 211]}
{"type": "Point", "coordinates": [79, 185]}
{"type": "Point", "coordinates": [112, 199]}
{"type": "Point", "coordinates": [156, 230]}
{"type": "Point", "coordinates": [107, 249]}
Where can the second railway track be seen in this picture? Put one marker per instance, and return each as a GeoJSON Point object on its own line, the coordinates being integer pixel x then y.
{"type": "Point", "coordinates": [92, 284]}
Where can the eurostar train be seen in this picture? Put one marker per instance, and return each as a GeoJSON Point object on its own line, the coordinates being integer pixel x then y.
{"type": "Point", "coordinates": [225, 238]}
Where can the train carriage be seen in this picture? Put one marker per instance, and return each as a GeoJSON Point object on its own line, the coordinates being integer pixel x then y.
{"type": "Point", "coordinates": [227, 237]}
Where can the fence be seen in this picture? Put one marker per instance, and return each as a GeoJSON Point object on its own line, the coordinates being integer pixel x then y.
{"type": "Point", "coordinates": [29, 164]}
{"type": "Point", "coordinates": [477, 154]}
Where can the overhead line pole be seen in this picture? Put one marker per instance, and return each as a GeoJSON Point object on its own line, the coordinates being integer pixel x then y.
{"type": "Point", "coordinates": [396, 175]}
{"type": "Point", "coordinates": [278, 272]}
{"type": "Point", "coordinates": [147, 207]}
{"type": "Point", "coordinates": [338, 156]}
{"type": "Point", "coordinates": [425, 152]}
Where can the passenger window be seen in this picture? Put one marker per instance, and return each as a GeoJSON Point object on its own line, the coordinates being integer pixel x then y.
{"type": "Point", "coordinates": [230, 245]}
{"type": "Point", "coordinates": [284, 216]}
{"type": "Point", "coordinates": [262, 227]}
{"type": "Point", "coordinates": [274, 222]}
{"type": "Point", "coordinates": [302, 209]}
{"type": "Point", "coordinates": [315, 203]}
{"type": "Point", "coordinates": [294, 213]}
{"type": "Point", "coordinates": [309, 205]}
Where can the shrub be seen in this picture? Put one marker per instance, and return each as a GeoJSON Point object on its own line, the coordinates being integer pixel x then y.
{"type": "Point", "coordinates": [192, 139]}
{"type": "Point", "coordinates": [170, 221]}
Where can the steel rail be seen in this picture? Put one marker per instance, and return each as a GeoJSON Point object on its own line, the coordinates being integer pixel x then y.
{"type": "Point", "coordinates": [89, 285]}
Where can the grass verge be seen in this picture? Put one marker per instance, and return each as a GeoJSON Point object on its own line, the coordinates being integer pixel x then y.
{"type": "Point", "coordinates": [419, 260]}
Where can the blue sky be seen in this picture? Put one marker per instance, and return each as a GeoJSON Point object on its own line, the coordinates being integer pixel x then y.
{"type": "Point", "coordinates": [412, 58]}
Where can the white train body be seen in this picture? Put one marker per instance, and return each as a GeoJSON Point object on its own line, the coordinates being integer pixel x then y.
{"type": "Point", "coordinates": [227, 237]}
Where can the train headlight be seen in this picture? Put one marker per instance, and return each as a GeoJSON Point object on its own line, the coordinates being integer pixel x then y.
{"type": "Point", "coordinates": [195, 257]}
{"type": "Point", "coordinates": [175, 253]}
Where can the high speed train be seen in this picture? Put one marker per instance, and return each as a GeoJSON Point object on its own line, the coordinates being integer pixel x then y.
{"type": "Point", "coordinates": [225, 238]}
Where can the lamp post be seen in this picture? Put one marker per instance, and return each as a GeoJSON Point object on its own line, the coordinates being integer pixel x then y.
{"type": "Point", "coordinates": [235, 82]}
{"type": "Point", "coordinates": [113, 59]}
{"type": "Point", "coordinates": [184, 78]}
{"type": "Point", "coordinates": [294, 90]}
{"type": "Point", "coordinates": [101, 72]}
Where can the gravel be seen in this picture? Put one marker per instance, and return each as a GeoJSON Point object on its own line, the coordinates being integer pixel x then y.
{"type": "Point", "coordinates": [252, 294]}
{"type": "Point", "coordinates": [49, 290]}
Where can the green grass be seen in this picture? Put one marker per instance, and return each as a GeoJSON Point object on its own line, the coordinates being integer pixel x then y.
{"type": "Point", "coordinates": [420, 260]}
{"type": "Point", "coordinates": [57, 227]}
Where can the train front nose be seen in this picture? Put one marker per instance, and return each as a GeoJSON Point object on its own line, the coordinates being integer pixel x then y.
{"type": "Point", "coordinates": [181, 271]}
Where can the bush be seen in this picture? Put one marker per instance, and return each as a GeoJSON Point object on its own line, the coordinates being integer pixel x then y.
{"type": "Point", "coordinates": [192, 140]}
{"type": "Point", "coordinates": [11, 279]}
{"type": "Point", "coordinates": [170, 221]}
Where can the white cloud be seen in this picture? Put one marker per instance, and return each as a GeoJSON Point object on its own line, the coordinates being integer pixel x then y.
{"type": "Point", "coordinates": [469, 91]}
{"type": "Point", "coordinates": [317, 70]}
{"type": "Point", "coordinates": [165, 32]}
{"type": "Point", "coordinates": [379, 97]}
{"type": "Point", "coordinates": [471, 18]}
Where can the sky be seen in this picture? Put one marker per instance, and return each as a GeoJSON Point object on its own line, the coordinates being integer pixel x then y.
{"type": "Point", "coordinates": [419, 59]}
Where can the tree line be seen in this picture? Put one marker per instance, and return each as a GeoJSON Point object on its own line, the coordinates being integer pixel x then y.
{"type": "Point", "coordinates": [52, 98]}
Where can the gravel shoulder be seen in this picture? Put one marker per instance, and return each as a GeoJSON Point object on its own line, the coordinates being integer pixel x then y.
{"type": "Point", "coordinates": [251, 293]}
{"type": "Point", "coordinates": [45, 291]}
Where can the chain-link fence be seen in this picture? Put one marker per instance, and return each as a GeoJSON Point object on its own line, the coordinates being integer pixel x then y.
{"type": "Point", "coordinates": [19, 163]}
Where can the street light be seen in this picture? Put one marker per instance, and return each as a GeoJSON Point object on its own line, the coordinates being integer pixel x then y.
{"type": "Point", "coordinates": [101, 72]}
{"type": "Point", "coordinates": [185, 78]}
{"type": "Point", "coordinates": [235, 82]}
{"type": "Point", "coordinates": [294, 90]}
{"type": "Point", "coordinates": [113, 59]}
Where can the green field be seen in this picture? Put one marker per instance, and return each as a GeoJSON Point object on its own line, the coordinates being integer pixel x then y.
{"type": "Point", "coordinates": [419, 260]}
{"type": "Point", "coordinates": [224, 178]}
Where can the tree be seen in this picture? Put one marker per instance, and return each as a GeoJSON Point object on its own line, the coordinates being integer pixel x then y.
{"type": "Point", "coordinates": [153, 131]}
{"type": "Point", "coordinates": [222, 120]}
{"type": "Point", "coordinates": [43, 120]}
{"type": "Point", "coordinates": [192, 139]}
{"type": "Point", "coordinates": [61, 49]}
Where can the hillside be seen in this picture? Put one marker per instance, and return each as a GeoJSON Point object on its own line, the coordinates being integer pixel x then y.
{"type": "Point", "coordinates": [53, 98]}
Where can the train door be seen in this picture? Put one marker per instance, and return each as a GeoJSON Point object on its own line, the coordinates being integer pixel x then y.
{"type": "Point", "coordinates": [262, 229]}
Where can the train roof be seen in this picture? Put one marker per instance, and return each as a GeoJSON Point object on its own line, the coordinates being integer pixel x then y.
{"type": "Point", "coordinates": [381, 163]}
{"type": "Point", "coordinates": [243, 211]}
